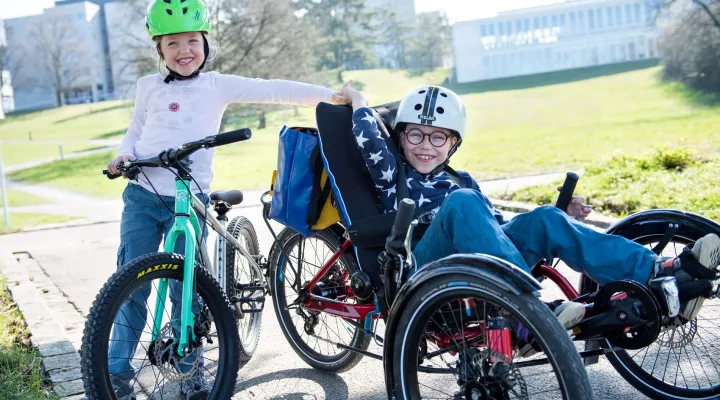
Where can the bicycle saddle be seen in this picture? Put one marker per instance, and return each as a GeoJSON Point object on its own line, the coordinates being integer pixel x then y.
{"type": "Point", "coordinates": [232, 197]}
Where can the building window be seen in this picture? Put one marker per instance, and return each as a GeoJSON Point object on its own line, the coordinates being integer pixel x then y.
{"type": "Point", "coordinates": [599, 18]}
{"type": "Point", "coordinates": [501, 29]}
{"type": "Point", "coordinates": [536, 23]}
{"type": "Point", "coordinates": [649, 11]}
{"type": "Point", "coordinates": [572, 22]}
{"type": "Point", "coordinates": [554, 21]}
{"type": "Point", "coordinates": [636, 9]}
{"type": "Point", "coordinates": [591, 20]}
{"type": "Point", "coordinates": [631, 51]}
{"type": "Point", "coordinates": [491, 29]}
{"type": "Point", "coordinates": [618, 15]}
{"type": "Point", "coordinates": [545, 22]}
{"type": "Point", "coordinates": [581, 21]}
{"type": "Point", "coordinates": [508, 28]}
{"type": "Point", "coordinates": [483, 30]}
{"type": "Point", "coordinates": [518, 26]}
{"type": "Point", "coordinates": [527, 25]}
{"type": "Point", "coordinates": [628, 14]}
{"type": "Point", "coordinates": [562, 20]}
{"type": "Point", "coordinates": [610, 20]}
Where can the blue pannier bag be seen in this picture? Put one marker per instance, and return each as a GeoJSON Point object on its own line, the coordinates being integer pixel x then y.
{"type": "Point", "coordinates": [301, 194]}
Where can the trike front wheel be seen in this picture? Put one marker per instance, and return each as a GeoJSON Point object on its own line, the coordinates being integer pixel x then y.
{"type": "Point", "coordinates": [443, 348]}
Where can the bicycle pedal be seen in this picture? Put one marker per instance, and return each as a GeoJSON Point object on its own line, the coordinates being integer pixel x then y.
{"type": "Point", "coordinates": [591, 345]}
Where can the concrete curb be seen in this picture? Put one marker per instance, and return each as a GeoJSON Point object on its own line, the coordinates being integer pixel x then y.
{"type": "Point", "coordinates": [55, 325]}
{"type": "Point", "coordinates": [600, 221]}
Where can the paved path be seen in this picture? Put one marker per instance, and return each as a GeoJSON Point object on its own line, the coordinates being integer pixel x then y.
{"type": "Point", "coordinates": [69, 265]}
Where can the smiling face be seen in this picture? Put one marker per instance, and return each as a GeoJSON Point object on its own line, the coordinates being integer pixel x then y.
{"type": "Point", "coordinates": [424, 156]}
{"type": "Point", "coordinates": [183, 52]}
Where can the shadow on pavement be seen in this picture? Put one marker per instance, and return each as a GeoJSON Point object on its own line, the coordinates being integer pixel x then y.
{"type": "Point", "coordinates": [292, 384]}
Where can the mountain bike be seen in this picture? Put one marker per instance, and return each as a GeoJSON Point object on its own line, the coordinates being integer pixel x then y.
{"type": "Point", "coordinates": [212, 322]}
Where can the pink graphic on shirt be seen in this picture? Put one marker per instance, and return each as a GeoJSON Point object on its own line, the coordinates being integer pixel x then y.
{"type": "Point", "coordinates": [174, 107]}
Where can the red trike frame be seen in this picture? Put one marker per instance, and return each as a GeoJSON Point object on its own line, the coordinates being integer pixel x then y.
{"type": "Point", "coordinates": [361, 311]}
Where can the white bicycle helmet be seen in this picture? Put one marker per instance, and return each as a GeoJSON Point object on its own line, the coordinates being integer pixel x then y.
{"type": "Point", "coordinates": [433, 106]}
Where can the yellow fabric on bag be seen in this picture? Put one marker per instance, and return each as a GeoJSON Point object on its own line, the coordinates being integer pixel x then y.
{"type": "Point", "coordinates": [329, 215]}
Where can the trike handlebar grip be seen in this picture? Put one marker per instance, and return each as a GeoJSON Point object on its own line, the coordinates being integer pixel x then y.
{"type": "Point", "coordinates": [567, 190]}
{"type": "Point", "coordinates": [402, 220]}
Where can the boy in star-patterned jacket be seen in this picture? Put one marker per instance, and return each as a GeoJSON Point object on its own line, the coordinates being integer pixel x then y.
{"type": "Point", "coordinates": [465, 219]}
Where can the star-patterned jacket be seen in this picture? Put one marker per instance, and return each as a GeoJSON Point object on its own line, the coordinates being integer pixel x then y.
{"type": "Point", "coordinates": [428, 191]}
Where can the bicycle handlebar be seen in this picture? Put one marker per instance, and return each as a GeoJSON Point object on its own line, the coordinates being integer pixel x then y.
{"type": "Point", "coordinates": [567, 190]}
{"type": "Point", "coordinates": [171, 156]}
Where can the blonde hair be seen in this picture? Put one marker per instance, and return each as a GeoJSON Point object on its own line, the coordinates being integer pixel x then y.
{"type": "Point", "coordinates": [213, 50]}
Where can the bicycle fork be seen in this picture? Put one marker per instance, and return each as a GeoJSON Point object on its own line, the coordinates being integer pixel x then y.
{"type": "Point", "coordinates": [186, 223]}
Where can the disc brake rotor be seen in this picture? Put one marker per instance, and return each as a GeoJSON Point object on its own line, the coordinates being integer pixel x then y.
{"type": "Point", "coordinates": [163, 354]}
{"type": "Point", "coordinates": [495, 377]}
{"type": "Point", "coordinates": [677, 335]}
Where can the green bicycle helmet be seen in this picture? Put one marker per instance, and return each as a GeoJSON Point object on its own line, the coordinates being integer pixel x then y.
{"type": "Point", "coordinates": [165, 17]}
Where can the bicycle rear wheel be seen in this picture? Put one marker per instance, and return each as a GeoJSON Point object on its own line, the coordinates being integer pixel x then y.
{"type": "Point", "coordinates": [243, 280]}
{"type": "Point", "coordinates": [311, 333]}
{"type": "Point", "coordinates": [123, 314]}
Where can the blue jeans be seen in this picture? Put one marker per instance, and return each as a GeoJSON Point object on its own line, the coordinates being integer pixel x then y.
{"type": "Point", "coordinates": [145, 222]}
{"type": "Point", "coordinates": [465, 224]}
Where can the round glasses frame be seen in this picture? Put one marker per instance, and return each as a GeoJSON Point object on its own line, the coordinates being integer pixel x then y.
{"type": "Point", "coordinates": [437, 138]}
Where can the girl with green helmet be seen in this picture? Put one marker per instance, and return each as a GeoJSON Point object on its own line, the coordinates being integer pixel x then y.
{"type": "Point", "coordinates": [180, 106]}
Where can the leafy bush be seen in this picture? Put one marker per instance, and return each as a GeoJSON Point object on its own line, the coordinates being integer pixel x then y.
{"type": "Point", "coordinates": [666, 178]}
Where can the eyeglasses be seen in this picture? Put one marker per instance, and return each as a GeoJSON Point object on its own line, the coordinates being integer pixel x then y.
{"type": "Point", "coordinates": [416, 136]}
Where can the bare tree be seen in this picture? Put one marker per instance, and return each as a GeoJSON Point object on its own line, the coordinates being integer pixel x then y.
{"type": "Point", "coordinates": [711, 8]}
{"type": "Point", "coordinates": [58, 54]}
{"type": "Point", "coordinates": [690, 47]}
{"type": "Point", "coordinates": [263, 39]}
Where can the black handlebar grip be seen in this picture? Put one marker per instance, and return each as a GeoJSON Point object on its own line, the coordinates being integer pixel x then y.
{"type": "Point", "coordinates": [222, 139]}
{"type": "Point", "coordinates": [567, 190]}
{"type": "Point", "coordinates": [402, 220]}
{"type": "Point", "coordinates": [109, 175]}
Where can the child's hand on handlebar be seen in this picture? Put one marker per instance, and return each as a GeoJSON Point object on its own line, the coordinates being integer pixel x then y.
{"type": "Point", "coordinates": [112, 167]}
{"type": "Point", "coordinates": [577, 207]}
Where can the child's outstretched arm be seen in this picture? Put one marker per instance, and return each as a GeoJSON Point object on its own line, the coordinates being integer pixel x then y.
{"type": "Point", "coordinates": [237, 89]}
{"type": "Point", "coordinates": [379, 160]}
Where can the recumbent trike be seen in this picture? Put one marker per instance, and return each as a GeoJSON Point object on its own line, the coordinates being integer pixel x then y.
{"type": "Point", "coordinates": [451, 330]}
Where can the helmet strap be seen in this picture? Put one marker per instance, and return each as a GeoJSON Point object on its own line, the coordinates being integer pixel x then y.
{"type": "Point", "coordinates": [174, 76]}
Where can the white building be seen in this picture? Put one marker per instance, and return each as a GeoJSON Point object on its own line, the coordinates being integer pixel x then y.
{"type": "Point", "coordinates": [573, 34]}
{"type": "Point", "coordinates": [405, 12]}
{"type": "Point", "coordinates": [70, 33]}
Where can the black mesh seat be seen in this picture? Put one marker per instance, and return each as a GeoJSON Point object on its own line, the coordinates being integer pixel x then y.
{"type": "Point", "coordinates": [352, 185]}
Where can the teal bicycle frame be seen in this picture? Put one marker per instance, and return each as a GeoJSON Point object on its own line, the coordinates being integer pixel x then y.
{"type": "Point", "coordinates": [186, 223]}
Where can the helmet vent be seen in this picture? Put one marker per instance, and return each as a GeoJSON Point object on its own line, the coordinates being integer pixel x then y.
{"type": "Point", "coordinates": [418, 107]}
{"type": "Point", "coordinates": [169, 11]}
{"type": "Point", "coordinates": [184, 10]}
{"type": "Point", "coordinates": [182, 1]}
{"type": "Point", "coordinates": [443, 94]}
{"type": "Point", "coordinates": [168, 1]}
{"type": "Point", "coordinates": [422, 91]}
{"type": "Point", "coordinates": [440, 110]}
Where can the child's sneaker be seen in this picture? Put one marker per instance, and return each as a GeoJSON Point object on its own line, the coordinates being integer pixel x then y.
{"type": "Point", "coordinates": [568, 313]}
{"type": "Point", "coordinates": [194, 388]}
{"type": "Point", "coordinates": [699, 262]}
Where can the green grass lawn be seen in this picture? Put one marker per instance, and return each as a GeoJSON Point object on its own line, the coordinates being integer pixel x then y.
{"type": "Point", "coordinates": [624, 184]}
{"type": "Point", "coordinates": [22, 221]}
{"type": "Point", "coordinates": [82, 122]}
{"type": "Point", "coordinates": [19, 365]}
{"type": "Point", "coordinates": [548, 122]}
{"type": "Point", "coordinates": [17, 198]}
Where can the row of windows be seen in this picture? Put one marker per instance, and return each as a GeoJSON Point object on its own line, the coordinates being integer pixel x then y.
{"type": "Point", "coordinates": [574, 21]}
{"type": "Point", "coordinates": [544, 60]}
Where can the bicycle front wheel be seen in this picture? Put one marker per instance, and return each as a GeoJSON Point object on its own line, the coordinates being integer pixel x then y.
{"type": "Point", "coordinates": [120, 358]}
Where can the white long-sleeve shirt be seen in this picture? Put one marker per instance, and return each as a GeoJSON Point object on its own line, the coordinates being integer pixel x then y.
{"type": "Point", "coordinates": [168, 115]}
